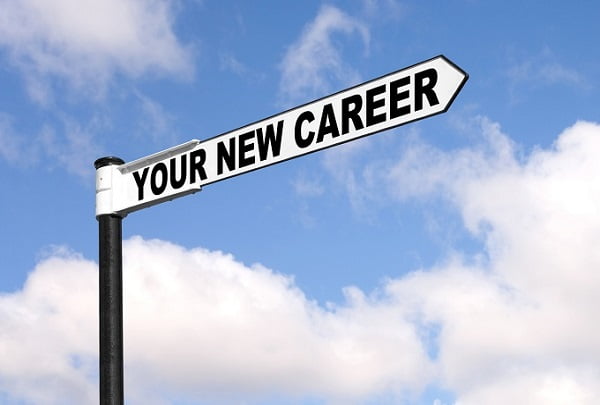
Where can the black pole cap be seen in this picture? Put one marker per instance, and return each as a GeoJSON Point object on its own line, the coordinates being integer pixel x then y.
{"type": "Point", "coordinates": [107, 161]}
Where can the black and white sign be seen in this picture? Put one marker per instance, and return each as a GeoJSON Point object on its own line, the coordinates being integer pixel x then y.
{"type": "Point", "coordinates": [410, 94]}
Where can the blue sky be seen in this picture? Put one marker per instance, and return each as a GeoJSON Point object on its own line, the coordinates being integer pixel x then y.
{"type": "Point", "coordinates": [448, 261]}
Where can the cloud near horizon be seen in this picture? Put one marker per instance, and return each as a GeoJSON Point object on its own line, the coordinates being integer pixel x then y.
{"type": "Point", "coordinates": [517, 326]}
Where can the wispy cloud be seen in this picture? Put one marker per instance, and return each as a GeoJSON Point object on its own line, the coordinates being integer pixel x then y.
{"type": "Point", "coordinates": [154, 123]}
{"type": "Point", "coordinates": [66, 144]}
{"type": "Point", "coordinates": [84, 43]}
{"type": "Point", "coordinates": [540, 70]}
{"type": "Point", "coordinates": [383, 9]}
{"type": "Point", "coordinates": [341, 163]}
{"type": "Point", "coordinates": [229, 62]}
{"type": "Point", "coordinates": [10, 144]}
{"type": "Point", "coordinates": [424, 170]}
{"type": "Point", "coordinates": [308, 187]}
{"type": "Point", "coordinates": [72, 147]}
{"type": "Point", "coordinates": [315, 60]}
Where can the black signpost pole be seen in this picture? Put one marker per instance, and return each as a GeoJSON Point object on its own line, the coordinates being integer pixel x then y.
{"type": "Point", "coordinates": [111, 302]}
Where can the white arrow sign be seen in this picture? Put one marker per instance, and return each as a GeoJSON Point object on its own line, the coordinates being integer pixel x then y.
{"type": "Point", "coordinates": [410, 94]}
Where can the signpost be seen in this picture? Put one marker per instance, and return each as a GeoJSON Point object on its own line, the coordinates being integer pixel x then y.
{"type": "Point", "coordinates": [408, 95]}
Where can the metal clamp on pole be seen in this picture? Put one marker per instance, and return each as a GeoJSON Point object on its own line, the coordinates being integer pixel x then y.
{"type": "Point", "coordinates": [110, 285]}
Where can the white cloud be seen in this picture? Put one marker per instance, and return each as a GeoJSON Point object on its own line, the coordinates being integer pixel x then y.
{"type": "Point", "coordinates": [77, 48]}
{"type": "Point", "coordinates": [199, 324]}
{"type": "Point", "coordinates": [521, 328]}
{"type": "Point", "coordinates": [311, 63]}
{"type": "Point", "coordinates": [49, 334]}
{"type": "Point", "coordinates": [248, 331]}
{"type": "Point", "coordinates": [518, 327]}
{"type": "Point", "coordinates": [85, 42]}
